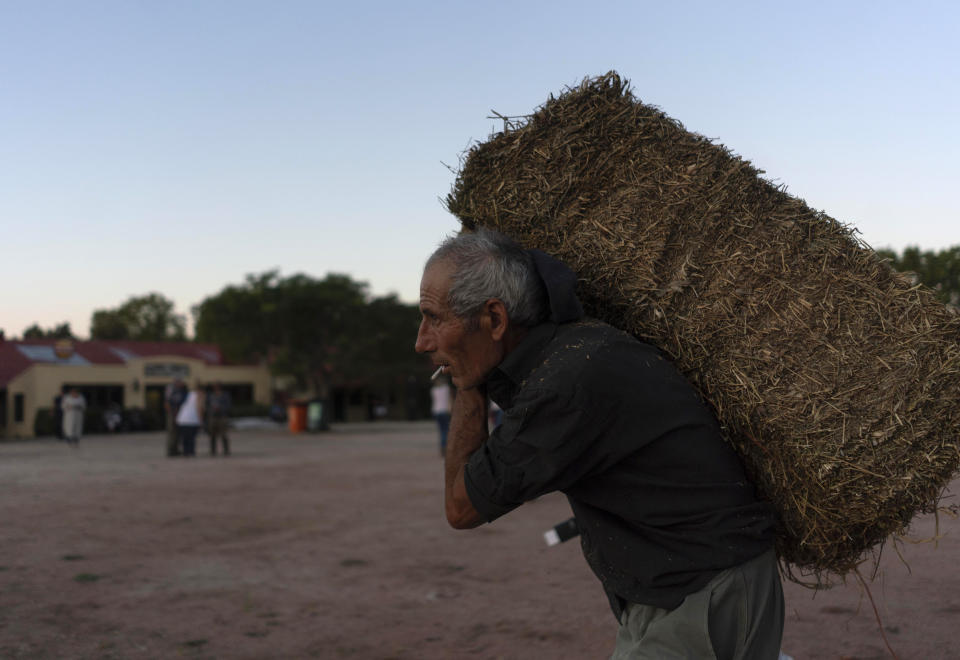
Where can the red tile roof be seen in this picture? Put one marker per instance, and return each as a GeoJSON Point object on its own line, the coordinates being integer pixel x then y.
{"type": "Point", "coordinates": [13, 361]}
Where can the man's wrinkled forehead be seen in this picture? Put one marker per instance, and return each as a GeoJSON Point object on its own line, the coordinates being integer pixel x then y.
{"type": "Point", "coordinates": [435, 284]}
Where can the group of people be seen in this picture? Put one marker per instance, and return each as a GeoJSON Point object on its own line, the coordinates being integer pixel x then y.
{"type": "Point", "coordinates": [189, 410]}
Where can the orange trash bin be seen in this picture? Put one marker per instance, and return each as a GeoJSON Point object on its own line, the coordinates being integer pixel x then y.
{"type": "Point", "coordinates": [297, 417]}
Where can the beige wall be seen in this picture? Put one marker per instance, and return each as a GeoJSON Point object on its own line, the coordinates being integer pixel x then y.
{"type": "Point", "coordinates": [40, 383]}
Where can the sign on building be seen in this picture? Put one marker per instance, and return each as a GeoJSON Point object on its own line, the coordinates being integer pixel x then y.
{"type": "Point", "coordinates": [166, 370]}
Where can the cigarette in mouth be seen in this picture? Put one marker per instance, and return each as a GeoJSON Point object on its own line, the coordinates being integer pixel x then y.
{"type": "Point", "coordinates": [437, 372]}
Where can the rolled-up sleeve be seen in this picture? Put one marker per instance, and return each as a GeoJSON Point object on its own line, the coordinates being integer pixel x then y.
{"type": "Point", "coordinates": [537, 449]}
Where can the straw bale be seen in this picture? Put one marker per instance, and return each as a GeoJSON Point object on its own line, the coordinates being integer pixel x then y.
{"type": "Point", "coordinates": [835, 378]}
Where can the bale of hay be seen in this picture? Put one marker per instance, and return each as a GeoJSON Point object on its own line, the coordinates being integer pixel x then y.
{"type": "Point", "coordinates": [835, 378]}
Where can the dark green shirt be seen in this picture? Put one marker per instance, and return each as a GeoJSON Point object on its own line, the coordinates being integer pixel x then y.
{"type": "Point", "coordinates": [661, 500]}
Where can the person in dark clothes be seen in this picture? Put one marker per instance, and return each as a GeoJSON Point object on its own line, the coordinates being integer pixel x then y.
{"type": "Point", "coordinates": [668, 520]}
{"type": "Point", "coordinates": [58, 416]}
{"type": "Point", "coordinates": [218, 421]}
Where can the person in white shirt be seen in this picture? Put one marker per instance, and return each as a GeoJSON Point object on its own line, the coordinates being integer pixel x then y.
{"type": "Point", "coordinates": [190, 419]}
{"type": "Point", "coordinates": [440, 397]}
{"type": "Point", "coordinates": [73, 405]}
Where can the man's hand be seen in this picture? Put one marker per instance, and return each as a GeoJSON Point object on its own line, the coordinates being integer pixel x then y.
{"type": "Point", "coordinates": [468, 430]}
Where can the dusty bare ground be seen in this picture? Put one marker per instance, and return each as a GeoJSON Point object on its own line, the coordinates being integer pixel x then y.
{"type": "Point", "coordinates": [333, 546]}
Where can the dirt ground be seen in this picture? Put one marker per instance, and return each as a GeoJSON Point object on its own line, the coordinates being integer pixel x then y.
{"type": "Point", "coordinates": [333, 546]}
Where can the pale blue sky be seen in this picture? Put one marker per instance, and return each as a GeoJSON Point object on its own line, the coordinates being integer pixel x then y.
{"type": "Point", "coordinates": [176, 146]}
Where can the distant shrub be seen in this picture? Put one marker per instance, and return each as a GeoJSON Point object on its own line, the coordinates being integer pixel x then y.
{"type": "Point", "coordinates": [134, 419]}
{"type": "Point", "coordinates": [141, 419]}
{"type": "Point", "coordinates": [43, 423]}
{"type": "Point", "coordinates": [249, 410]}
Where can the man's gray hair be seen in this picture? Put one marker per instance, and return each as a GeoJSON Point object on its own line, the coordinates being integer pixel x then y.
{"type": "Point", "coordinates": [488, 264]}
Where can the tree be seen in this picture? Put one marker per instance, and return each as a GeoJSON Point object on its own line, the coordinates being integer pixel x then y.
{"type": "Point", "coordinates": [61, 331]}
{"type": "Point", "coordinates": [315, 326]}
{"type": "Point", "coordinates": [321, 332]}
{"type": "Point", "coordinates": [385, 347]}
{"type": "Point", "coordinates": [938, 270]}
{"type": "Point", "coordinates": [142, 318]}
{"type": "Point", "coordinates": [240, 319]}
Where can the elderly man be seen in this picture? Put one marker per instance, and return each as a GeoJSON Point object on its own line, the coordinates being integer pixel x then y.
{"type": "Point", "coordinates": [668, 521]}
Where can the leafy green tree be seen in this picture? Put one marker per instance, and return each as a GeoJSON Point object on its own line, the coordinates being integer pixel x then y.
{"type": "Point", "coordinates": [313, 327]}
{"type": "Point", "coordinates": [61, 331]}
{"type": "Point", "coordinates": [321, 332]}
{"type": "Point", "coordinates": [240, 319]}
{"type": "Point", "coordinates": [383, 349]}
{"type": "Point", "coordinates": [938, 270]}
{"type": "Point", "coordinates": [142, 318]}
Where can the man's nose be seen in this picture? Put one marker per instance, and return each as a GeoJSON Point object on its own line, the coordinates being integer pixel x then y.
{"type": "Point", "coordinates": [424, 343]}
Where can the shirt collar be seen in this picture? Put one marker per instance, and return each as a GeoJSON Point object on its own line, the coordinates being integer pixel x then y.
{"type": "Point", "coordinates": [506, 378]}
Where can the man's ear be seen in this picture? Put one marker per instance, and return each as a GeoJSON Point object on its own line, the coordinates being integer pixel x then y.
{"type": "Point", "coordinates": [496, 314]}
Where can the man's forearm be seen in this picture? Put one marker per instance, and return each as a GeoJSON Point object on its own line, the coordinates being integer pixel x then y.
{"type": "Point", "coordinates": [468, 430]}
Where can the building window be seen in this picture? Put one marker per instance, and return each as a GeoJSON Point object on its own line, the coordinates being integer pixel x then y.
{"type": "Point", "coordinates": [239, 393]}
{"type": "Point", "coordinates": [98, 396]}
{"type": "Point", "coordinates": [357, 397]}
{"type": "Point", "coordinates": [18, 407]}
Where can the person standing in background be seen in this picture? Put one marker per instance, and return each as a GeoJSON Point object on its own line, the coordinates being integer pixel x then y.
{"type": "Point", "coordinates": [73, 406]}
{"type": "Point", "coordinates": [218, 407]}
{"type": "Point", "coordinates": [495, 416]}
{"type": "Point", "coordinates": [173, 398]}
{"type": "Point", "coordinates": [440, 397]}
{"type": "Point", "coordinates": [58, 416]}
{"type": "Point", "coordinates": [190, 419]}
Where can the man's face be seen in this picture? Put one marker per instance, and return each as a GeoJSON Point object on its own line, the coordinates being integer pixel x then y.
{"type": "Point", "coordinates": [467, 355]}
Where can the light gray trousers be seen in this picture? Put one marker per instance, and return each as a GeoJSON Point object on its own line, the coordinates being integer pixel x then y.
{"type": "Point", "coordinates": [737, 616]}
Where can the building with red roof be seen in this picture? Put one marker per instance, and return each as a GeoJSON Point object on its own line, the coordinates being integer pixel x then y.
{"type": "Point", "coordinates": [128, 374]}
